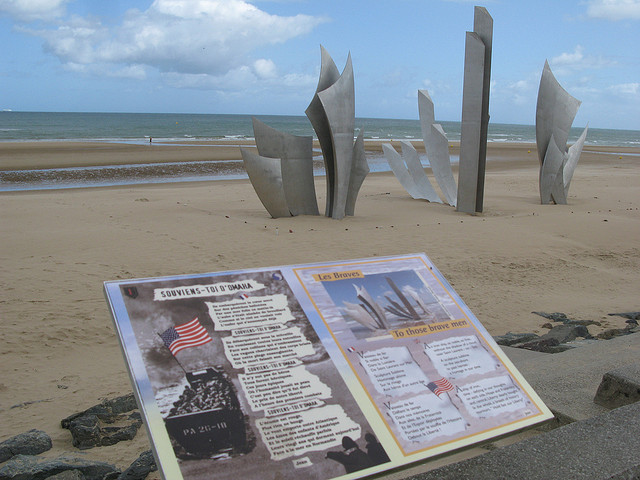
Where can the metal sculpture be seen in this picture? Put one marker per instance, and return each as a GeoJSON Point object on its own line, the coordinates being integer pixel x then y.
{"type": "Point", "coordinates": [437, 148]}
{"type": "Point", "coordinates": [475, 113]}
{"type": "Point", "coordinates": [555, 112]}
{"type": "Point", "coordinates": [296, 155]}
{"type": "Point", "coordinates": [359, 171]}
{"type": "Point", "coordinates": [265, 175]}
{"type": "Point", "coordinates": [332, 116]}
{"type": "Point", "coordinates": [409, 171]}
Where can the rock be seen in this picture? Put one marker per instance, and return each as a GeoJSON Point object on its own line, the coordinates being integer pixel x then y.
{"type": "Point", "coordinates": [85, 431]}
{"type": "Point", "coordinates": [555, 340]}
{"type": "Point", "coordinates": [68, 475]}
{"type": "Point", "coordinates": [556, 317]}
{"type": "Point", "coordinates": [561, 317]}
{"type": "Point", "coordinates": [96, 426]}
{"type": "Point", "coordinates": [566, 333]}
{"type": "Point", "coordinates": [23, 467]}
{"type": "Point", "coordinates": [510, 339]}
{"type": "Point", "coordinates": [108, 410]}
{"type": "Point", "coordinates": [614, 332]}
{"type": "Point", "coordinates": [140, 468]}
{"type": "Point", "coordinates": [619, 387]}
{"type": "Point", "coordinates": [630, 315]}
{"type": "Point", "coordinates": [88, 431]}
{"type": "Point", "coordinates": [32, 442]}
{"type": "Point", "coordinates": [547, 345]}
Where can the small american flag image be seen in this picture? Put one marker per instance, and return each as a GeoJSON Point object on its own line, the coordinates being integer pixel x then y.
{"type": "Point", "coordinates": [440, 386]}
{"type": "Point", "coordinates": [190, 334]}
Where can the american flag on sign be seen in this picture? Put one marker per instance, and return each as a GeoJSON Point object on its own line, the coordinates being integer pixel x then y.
{"type": "Point", "coordinates": [440, 386]}
{"type": "Point", "coordinates": [190, 334]}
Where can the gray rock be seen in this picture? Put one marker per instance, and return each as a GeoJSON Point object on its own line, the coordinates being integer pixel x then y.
{"type": "Point", "coordinates": [140, 468]}
{"type": "Point", "coordinates": [104, 424]}
{"type": "Point", "coordinates": [566, 333]}
{"type": "Point", "coordinates": [556, 339]}
{"type": "Point", "coordinates": [561, 317]}
{"type": "Point", "coordinates": [630, 315]}
{"type": "Point", "coordinates": [545, 345]}
{"type": "Point", "coordinates": [108, 410]}
{"type": "Point", "coordinates": [556, 317]}
{"type": "Point", "coordinates": [68, 475]}
{"type": "Point", "coordinates": [32, 442]}
{"type": "Point", "coordinates": [29, 467]}
{"type": "Point", "coordinates": [510, 338]}
{"type": "Point", "coordinates": [619, 387]}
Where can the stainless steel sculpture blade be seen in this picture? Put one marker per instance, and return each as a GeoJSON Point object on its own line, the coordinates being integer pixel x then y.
{"type": "Point", "coordinates": [359, 170]}
{"type": "Point", "coordinates": [400, 170]}
{"type": "Point", "coordinates": [296, 154]}
{"type": "Point", "coordinates": [555, 112]}
{"type": "Point", "coordinates": [416, 170]}
{"type": "Point", "coordinates": [317, 116]}
{"type": "Point", "coordinates": [437, 148]}
{"type": "Point", "coordinates": [441, 164]}
{"type": "Point", "coordinates": [551, 174]}
{"type": "Point", "coordinates": [475, 113]}
{"type": "Point", "coordinates": [483, 26]}
{"type": "Point", "coordinates": [409, 171]}
{"type": "Point", "coordinates": [470, 132]}
{"type": "Point", "coordinates": [573, 156]}
{"type": "Point", "coordinates": [265, 175]}
{"type": "Point", "coordinates": [338, 102]}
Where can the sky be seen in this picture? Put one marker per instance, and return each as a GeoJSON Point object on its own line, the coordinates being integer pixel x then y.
{"type": "Point", "coordinates": [262, 57]}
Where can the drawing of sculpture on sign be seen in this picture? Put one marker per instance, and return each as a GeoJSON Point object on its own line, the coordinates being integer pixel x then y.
{"type": "Point", "coordinates": [555, 112]}
{"type": "Point", "coordinates": [282, 171]}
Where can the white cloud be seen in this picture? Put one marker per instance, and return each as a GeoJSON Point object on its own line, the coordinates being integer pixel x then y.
{"type": "Point", "coordinates": [184, 38]}
{"type": "Point", "coordinates": [632, 89]}
{"type": "Point", "coordinates": [577, 60]}
{"type": "Point", "coordinates": [298, 80]}
{"type": "Point", "coordinates": [614, 9]}
{"type": "Point", "coordinates": [29, 10]}
{"type": "Point", "coordinates": [265, 68]}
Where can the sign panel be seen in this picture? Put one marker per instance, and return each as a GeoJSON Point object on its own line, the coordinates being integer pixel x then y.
{"type": "Point", "coordinates": [333, 370]}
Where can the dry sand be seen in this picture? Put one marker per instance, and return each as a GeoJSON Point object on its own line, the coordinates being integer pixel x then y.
{"type": "Point", "coordinates": [59, 351]}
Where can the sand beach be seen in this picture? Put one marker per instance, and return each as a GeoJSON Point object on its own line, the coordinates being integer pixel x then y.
{"type": "Point", "coordinates": [60, 354]}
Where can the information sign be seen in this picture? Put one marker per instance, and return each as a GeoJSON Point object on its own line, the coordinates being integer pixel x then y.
{"type": "Point", "coordinates": [332, 370]}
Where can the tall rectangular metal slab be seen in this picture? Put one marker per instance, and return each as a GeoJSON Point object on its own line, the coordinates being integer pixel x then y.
{"type": "Point", "coordinates": [483, 26]}
{"type": "Point", "coordinates": [471, 131]}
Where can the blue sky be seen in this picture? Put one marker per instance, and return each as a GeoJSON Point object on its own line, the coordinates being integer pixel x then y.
{"type": "Point", "coordinates": [263, 57]}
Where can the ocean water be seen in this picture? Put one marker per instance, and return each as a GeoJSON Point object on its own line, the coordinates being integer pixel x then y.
{"type": "Point", "coordinates": [167, 127]}
{"type": "Point", "coordinates": [162, 127]}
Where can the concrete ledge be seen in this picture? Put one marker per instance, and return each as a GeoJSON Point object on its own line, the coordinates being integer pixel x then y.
{"type": "Point", "coordinates": [603, 447]}
{"type": "Point", "coordinates": [568, 381]}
